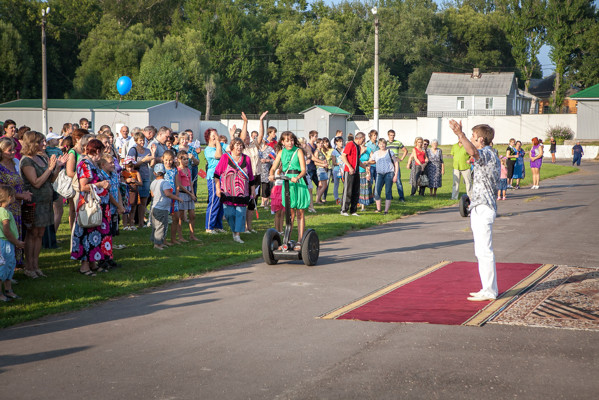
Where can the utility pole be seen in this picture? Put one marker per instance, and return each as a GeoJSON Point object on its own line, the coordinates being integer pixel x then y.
{"type": "Point", "coordinates": [376, 68]}
{"type": "Point", "coordinates": [45, 12]}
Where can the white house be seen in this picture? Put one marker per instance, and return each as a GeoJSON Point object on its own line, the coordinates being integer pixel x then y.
{"type": "Point", "coordinates": [459, 95]}
{"type": "Point", "coordinates": [114, 113]}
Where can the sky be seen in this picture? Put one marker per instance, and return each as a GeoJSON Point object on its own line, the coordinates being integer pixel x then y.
{"type": "Point", "coordinates": [546, 64]}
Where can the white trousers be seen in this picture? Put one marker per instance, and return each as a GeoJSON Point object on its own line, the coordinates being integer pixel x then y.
{"type": "Point", "coordinates": [467, 175]}
{"type": "Point", "coordinates": [481, 222]}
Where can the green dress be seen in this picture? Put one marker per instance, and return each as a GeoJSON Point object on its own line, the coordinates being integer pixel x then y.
{"type": "Point", "coordinates": [298, 192]}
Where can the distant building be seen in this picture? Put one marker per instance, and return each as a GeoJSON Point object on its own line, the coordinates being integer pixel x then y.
{"type": "Point", "coordinates": [326, 120]}
{"type": "Point", "coordinates": [587, 124]}
{"type": "Point", "coordinates": [543, 89]}
{"type": "Point", "coordinates": [476, 93]}
{"type": "Point", "coordinates": [114, 113]}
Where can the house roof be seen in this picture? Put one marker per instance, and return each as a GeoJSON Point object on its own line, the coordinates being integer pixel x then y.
{"type": "Point", "coordinates": [489, 83]}
{"type": "Point", "coordinates": [85, 104]}
{"type": "Point", "coordinates": [329, 109]}
{"type": "Point", "coordinates": [588, 93]}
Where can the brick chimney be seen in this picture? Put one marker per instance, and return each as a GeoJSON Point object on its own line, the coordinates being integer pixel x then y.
{"type": "Point", "coordinates": [476, 73]}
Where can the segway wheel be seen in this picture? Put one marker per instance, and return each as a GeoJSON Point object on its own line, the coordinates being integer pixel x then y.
{"type": "Point", "coordinates": [464, 204]}
{"type": "Point", "coordinates": [270, 242]}
{"type": "Point", "coordinates": [310, 247]}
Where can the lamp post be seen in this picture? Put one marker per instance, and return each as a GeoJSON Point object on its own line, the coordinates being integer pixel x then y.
{"type": "Point", "coordinates": [376, 69]}
{"type": "Point", "coordinates": [45, 12]}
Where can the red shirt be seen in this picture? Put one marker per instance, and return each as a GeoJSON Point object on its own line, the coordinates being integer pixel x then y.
{"type": "Point", "coordinates": [352, 153]}
{"type": "Point", "coordinates": [272, 144]}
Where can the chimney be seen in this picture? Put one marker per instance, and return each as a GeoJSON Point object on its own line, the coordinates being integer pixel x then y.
{"type": "Point", "coordinates": [476, 73]}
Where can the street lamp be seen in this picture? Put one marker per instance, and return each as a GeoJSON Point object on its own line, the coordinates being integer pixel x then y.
{"type": "Point", "coordinates": [45, 12]}
{"type": "Point", "coordinates": [376, 68]}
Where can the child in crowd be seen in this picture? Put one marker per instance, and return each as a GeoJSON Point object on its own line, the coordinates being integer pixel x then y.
{"type": "Point", "coordinates": [267, 156]}
{"type": "Point", "coordinates": [8, 242]}
{"type": "Point", "coordinates": [186, 193]}
{"type": "Point", "coordinates": [115, 201]}
{"type": "Point", "coordinates": [162, 194]}
{"type": "Point", "coordinates": [133, 180]}
{"type": "Point", "coordinates": [320, 160]}
{"type": "Point", "coordinates": [502, 180]}
{"type": "Point", "coordinates": [52, 145]}
{"type": "Point", "coordinates": [171, 175]}
{"type": "Point", "coordinates": [276, 201]}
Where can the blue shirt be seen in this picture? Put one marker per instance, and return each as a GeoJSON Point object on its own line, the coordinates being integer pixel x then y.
{"type": "Point", "coordinates": [365, 157]}
{"type": "Point", "coordinates": [372, 146]}
{"type": "Point", "coordinates": [211, 162]}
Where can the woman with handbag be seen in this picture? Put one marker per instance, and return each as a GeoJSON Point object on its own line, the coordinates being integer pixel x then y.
{"type": "Point", "coordinates": [75, 153]}
{"type": "Point", "coordinates": [417, 164]}
{"type": "Point", "coordinates": [38, 172]}
{"type": "Point", "coordinates": [387, 168]}
{"type": "Point", "coordinates": [91, 244]}
{"type": "Point", "coordinates": [436, 167]}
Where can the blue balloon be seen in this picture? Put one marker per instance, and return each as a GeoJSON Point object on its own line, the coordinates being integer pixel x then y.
{"type": "Point", "coordinates": [123, 85]}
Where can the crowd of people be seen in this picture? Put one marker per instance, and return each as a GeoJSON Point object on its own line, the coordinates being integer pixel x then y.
{"type": "Point", "coordinates": [131, 171]}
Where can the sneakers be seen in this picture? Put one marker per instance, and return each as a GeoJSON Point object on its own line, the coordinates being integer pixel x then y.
{"type": "Point", "coordinates": [534, 187]}
{"type": "Point", "coordinates": [211, 232]}
{"type": "Point", "coordinates": [480, 296]}
{"type": "Point", "coordinates": [237, 239]}
{"type": "Point", "coordinates": [356, 214]}
{"type": "Point", "coordinates": [344, 214]}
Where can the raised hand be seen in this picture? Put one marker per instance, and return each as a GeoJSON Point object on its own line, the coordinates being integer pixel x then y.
{"type": "Point", "coordinates": [455, 126]}
{"type": "Point", "coordinates": [244, 117]}
{"type": "Point", "coordinates": [232, 130]}
{"type": "Point", "coordinates": [263, 115]}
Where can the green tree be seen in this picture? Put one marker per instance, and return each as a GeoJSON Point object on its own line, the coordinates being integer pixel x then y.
{"type": "Point", "coordinates": [586, 71]}
{"type": "Point", "coordinates": [522, 21]}
{"type": "Point", "coordinates": [15, 67]}
{"type": "Point", "coordinates": [476, 40]}
{"type": "Point", "coordinates": [566, 22]}
{"type": "Point", "coordinates": [388, 92]}
{"type": "Point", "coordinates": [110, 51]}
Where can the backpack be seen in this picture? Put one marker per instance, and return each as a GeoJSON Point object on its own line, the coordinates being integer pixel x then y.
{"type": "Point", "coordinates": [235, 184]}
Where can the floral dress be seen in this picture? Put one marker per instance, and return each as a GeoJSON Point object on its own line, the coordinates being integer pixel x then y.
{"type": "Point", "coordinates": [433, 169]}
{"type": "Point", "coordinates": [366, 195]}
{"type": "Point", "coordinates": [92, 244]}
{"type": "Point", "coordinates": [170, 177]}
{"type": "Point", "coordinates": [13, 178]}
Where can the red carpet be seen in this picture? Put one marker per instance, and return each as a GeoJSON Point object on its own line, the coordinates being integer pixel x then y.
{"type": "Point", "coordinates": [438, 297]}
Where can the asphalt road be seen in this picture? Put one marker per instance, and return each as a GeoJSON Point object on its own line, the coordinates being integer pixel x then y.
{"type": "Point", "coordinates": [251, 332]}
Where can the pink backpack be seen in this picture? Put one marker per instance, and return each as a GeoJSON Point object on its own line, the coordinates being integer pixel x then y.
{"type": "Point", "coordinates": [234, 181]}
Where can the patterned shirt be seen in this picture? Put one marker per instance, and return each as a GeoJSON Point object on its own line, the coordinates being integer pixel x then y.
{"type": "Point", "coordinates": [384, 162]}
{"type": "Point", "coordinates": [487, 170]}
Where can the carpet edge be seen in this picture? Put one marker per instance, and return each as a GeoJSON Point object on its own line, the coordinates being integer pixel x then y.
{"type": "Point", "coordinates": [508, 297]}
{"type": "Point", "coordinates": [336, 313]}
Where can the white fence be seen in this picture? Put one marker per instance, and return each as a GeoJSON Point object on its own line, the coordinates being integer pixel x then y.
{"type": "Point", "coordinates": [521, 127]}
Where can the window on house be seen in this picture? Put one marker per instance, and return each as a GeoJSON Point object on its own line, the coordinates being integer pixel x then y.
{"type": "Point", "coordinates": [460, 103]}
{"type": "Point", "coordinates": [489, 103]}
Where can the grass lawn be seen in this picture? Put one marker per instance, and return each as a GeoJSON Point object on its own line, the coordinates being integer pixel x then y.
{"type": "Point", "coordinates": [143, 267]}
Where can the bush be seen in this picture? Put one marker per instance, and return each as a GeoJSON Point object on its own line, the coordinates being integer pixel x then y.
{"type": "Point", "coordinates": [560, 133]}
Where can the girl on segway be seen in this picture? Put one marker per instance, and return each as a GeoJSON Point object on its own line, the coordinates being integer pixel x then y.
{"type": "Point", "coordinates": [291, 160]}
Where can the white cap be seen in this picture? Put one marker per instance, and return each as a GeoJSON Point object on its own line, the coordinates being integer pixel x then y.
{"type": "Point", "coordinates": [53, 135]}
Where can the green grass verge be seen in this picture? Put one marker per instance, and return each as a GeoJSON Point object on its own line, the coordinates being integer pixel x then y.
{"type": "Point", "coordinates": [143, 267]}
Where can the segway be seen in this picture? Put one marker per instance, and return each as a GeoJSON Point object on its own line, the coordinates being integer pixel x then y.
{"type": "Point", "coordinates": [464, 205]}
{"type": "Point", "coordinates": [275, 248]}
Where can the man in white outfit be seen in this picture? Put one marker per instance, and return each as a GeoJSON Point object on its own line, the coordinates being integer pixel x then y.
{"type": "Point", "coordinates": [483, 206]}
